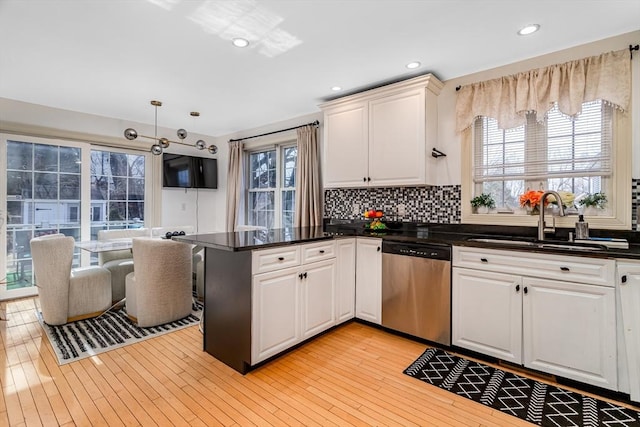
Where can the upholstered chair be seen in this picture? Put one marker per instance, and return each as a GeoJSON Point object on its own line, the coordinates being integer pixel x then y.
{"type": "Point", "coordinates": [159, 289]}
{"type": "Point", "coordinates": [197, 260]}
{"type": "Point", "coordinates": [67, 294]}
{"type": "Point", "coordinates": [119, 263]}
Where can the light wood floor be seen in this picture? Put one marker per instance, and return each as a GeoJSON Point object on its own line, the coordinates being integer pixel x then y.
{"type": "Point", "coordinates": [350, 376]}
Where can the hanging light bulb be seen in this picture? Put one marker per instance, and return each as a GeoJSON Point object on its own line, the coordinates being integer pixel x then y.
{"type": "Point", "coordinates": [200, 144]}
{"type": "Point", "coordinates": [160, 144]}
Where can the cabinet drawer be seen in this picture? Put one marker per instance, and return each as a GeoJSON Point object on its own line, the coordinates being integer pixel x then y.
{"type": "Point", "coordinates": [595, 271]}
{"type": "Point", "coordinates": [275, 259]}
{"type": "Point", "coordinates": [318, 251]}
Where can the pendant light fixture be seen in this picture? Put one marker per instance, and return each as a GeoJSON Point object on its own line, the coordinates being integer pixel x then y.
{"type": "Point", "coordinates": [161, 143]}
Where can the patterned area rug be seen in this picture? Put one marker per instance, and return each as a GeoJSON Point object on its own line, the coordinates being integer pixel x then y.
{"type": "Point", "coordinates": [527, 399]}
{"type": "Point", "coordinates": [85, 338]}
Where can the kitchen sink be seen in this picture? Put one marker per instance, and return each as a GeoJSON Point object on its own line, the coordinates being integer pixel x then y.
{"type": "Point", "coordinates": [573, 246]}
{"type": "Point", "coordinates": [503, 241]}
{"type": "Point", "coordinates": [568, 246]}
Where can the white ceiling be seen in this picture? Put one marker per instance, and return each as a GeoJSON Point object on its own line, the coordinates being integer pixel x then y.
{"type": "Point", "coordinates": [111, 57]}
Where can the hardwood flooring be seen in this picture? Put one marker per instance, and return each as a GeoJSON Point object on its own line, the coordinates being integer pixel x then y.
{"type": "Point", "coordinates": [351, 376]}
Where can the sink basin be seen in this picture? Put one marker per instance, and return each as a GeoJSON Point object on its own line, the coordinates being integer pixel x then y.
{"type": "Point", "coordinates": [503, 241]}
{"type": "Point", "coordinates": [573, 247]}
{"type": "Point", "coordinates": [567, 246]}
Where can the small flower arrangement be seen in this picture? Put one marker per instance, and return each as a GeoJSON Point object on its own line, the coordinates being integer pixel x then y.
{"type": "Point", "coordinates": [531, 199]}
{"type": "Point", "coordinates": [567, 198]}
{"type": "Point", "coordinates": [596, 200]}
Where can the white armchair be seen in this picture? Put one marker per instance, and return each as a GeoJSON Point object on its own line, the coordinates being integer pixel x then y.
{"type": "Point", "coordinates": [67, 294]}
{"type": "Point", "coordinates": [197, 260]}
{"type": "Point", "coordinates": [119, 263]}
{"type": "Point", "coordinates": [159, 289]}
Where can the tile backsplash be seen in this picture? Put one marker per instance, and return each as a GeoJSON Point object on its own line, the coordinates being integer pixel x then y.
{"type": "Point", "coordinates": [439, 204]}
{"type": "Point", "coordinates": [635, 204]}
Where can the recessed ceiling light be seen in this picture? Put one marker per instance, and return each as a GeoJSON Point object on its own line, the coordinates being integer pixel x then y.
{"type": "Point", "coordinates": [336, 88]}
{"type": "Point", "coordinates": [529, 29]}
{"type": "Point", "coordinates": [412, 65]}
{"type": "Point", "coordinates": [240, 42]}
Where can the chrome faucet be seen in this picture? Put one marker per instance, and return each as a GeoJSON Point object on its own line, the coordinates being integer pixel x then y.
{"type": "Point", "coordinates": [542, 229]}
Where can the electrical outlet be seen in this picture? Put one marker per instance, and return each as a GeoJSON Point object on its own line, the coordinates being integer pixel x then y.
{"type": "Point", "coordinates": [356, 209]}
{"type": "Point", "coordinates": [401, 210]}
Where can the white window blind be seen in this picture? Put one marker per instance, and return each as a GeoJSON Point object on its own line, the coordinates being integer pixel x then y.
{"type": "Point", "coordinates": [557, 147]}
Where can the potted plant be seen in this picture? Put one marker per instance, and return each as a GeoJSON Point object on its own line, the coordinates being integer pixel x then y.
{"type": "Point", "coordinates": [592, 202]}
{"type": "Point", "coordinates": [483, 203]}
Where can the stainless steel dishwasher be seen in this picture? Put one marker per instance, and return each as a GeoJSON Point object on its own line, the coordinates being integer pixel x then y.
{"type": "Point", "coordinates": [416, 290]}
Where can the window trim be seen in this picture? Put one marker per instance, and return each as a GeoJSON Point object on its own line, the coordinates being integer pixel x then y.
{"type": "Point", "coordinates": [619, 202]}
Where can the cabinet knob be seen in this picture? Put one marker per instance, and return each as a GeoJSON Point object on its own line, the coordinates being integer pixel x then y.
{"type": "Point", "coordinates": [280, 258]}
{"type": "Point", "coordinates": [564, 268]}
{"type": "Point", "coordinates": [484, 260]}
{"type": "Point", "coordinates": [623, 279]}
{"type": "Point", "coordinates": [321, 251]}
{"type": "Point", "coordinates": [300, 276]}
{"type": "Point", "coordinates": [378, 249]}
{"type": "Point", "coordinates": [368, 178]}
{"type": "Point", "coordinates": [517, 288]}
{"type": "Point", "coordinates": [364, 179]}
{"type": "Point", "coordinates": [526, 291]}
{"type": "Point", "coordinates": [304, 274]}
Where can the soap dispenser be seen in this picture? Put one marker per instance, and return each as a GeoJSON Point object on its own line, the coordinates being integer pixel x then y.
{"type": "Point", "coordinates": [582, 228]}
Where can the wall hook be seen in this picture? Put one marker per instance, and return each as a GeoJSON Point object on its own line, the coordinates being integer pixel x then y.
{"type": "Point", "coordinates": [437, 153]}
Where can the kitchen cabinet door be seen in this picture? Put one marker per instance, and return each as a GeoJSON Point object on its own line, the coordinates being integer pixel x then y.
{"type": "Point", "coordinates": [369, 279]}
{"type": "Point", "coordinates": [346, 146]}
{"type": "Point", "coordinates": [275, 313]}
{"type": "Point", "coordinates": [317, 281]}
{"type": "Point", "coordinates": [345, 279]}
{"type": "Point", "coordinates": [487, 313]}
{"type": "Point", "coordinates": [629, 292]}
{"type": "Point", "coordinates": [569, 329]}
{"type": "Point", "coordinates": [397, 152]}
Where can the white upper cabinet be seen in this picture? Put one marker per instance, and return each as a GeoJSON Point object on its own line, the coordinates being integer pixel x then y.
{"type": "Point", "coordinates": [382, 137]}
{"type": "Point", "coordinates": [346, 158]}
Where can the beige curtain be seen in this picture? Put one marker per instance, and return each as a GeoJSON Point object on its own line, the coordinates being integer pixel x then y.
{"type": "Point", "coordinates": [508, 99]}
{"type": "Point", "coordinates": [235, 187]}
{"type": "Point", "coordinates": [308, 208]}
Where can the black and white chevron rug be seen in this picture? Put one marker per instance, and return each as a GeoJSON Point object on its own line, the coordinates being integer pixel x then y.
{"type": "Point", "coordinates": [85, 338]}
{"type": "Point", "coordinates": [527, 399]}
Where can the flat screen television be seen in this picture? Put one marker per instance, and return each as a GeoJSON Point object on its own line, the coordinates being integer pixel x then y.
{"type": "Point", "coordinates": [189, 172]}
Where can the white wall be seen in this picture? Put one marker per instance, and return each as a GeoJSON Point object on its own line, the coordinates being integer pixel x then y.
{"type": "Point", "coordinates": [449, 141]}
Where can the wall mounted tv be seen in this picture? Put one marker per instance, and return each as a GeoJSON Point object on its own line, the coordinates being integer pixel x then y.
{"type": "Point", "coordinates": [189, 172]}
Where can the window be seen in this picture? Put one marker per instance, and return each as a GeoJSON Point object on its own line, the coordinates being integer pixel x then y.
{"type": "Point", "coordinates": [559, 153]}
{"type": "Point", "coordinates": [117, 190]}
{"type": "Point", "coordinates": [271, 187]}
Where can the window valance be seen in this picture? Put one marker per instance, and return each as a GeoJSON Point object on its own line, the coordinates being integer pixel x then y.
{"type": "Point", "coordinates": [508, 99]}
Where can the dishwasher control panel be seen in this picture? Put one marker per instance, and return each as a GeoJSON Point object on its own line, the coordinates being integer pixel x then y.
{"type": "Point", "coordinates": [422, 250]}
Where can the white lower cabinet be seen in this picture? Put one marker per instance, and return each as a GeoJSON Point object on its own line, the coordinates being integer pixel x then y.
{"type": "Point", "coordinates": [369, 279]}
{"type": "Point", "coordinates": [345, 279]}
{"type": "Point", "coordinates": [487, 313]}
{"type": "Point", "coordinates": [292, 304]}
{"type": "Point", "coordinates": [628, 281]}
{"type": "Point", "coordinates": [318, 296]}
{"type": "Point", "coordinates": [562, 327]}
{"type": "Point", "coordinates": [276, 308]}
{"type": "Point", "coordinates": [569, 329]}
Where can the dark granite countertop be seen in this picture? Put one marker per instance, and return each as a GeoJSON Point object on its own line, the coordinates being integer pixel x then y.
{"type": "Point", "coordinates": [448, 234]}
{"type": "Point", "coordinates": [249, 240]}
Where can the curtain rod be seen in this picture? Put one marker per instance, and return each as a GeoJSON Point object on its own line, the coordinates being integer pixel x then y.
{"type": "Point", "coordinates": [631, 49]}
{"type": "Point", "coordinates": [315, 123]}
